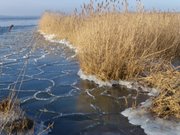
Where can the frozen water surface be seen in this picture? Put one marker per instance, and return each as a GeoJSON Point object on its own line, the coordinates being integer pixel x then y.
{"type": "Point", "coordinates": [45, 76]}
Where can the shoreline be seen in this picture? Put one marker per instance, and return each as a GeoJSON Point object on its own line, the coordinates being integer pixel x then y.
{"type": "Point", "coordinates": [148, 122]}
{"type": "Point", "coordinates": [110, 83]}
{"type": "Point", "coordinates": [51, 38]}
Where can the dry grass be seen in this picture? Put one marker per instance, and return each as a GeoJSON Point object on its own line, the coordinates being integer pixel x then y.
{"type": "Point", "coordinates": [12, 118]}
{"type": "Point", "coordinates": [167, 104]}
{"type": "Point", "coordinates": [119, 45]}
{"type": "Point", "coordinates": [126, 46]}
{"type": "Point", "coordinates": [116, 45]}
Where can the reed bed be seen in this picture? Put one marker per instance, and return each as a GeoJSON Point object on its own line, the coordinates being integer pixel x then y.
{"type": "Point", "coordinates": [115, 44]}
{"type": "Point", "coordinates": [167, 104]}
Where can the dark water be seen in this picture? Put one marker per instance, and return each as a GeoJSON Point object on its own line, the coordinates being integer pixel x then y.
{"type": "Point", "coordinates": [45, 77]}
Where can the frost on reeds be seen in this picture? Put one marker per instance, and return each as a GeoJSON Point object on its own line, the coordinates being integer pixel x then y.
{"type": "Point", "coordinates": [116, 44]}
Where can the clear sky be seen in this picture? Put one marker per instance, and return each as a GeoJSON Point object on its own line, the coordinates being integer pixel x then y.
{"type": "Point", "coordinates": [37, 7]}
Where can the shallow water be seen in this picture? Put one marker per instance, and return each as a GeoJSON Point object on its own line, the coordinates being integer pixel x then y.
{"type": "Point", "coordinates": [45, 77]}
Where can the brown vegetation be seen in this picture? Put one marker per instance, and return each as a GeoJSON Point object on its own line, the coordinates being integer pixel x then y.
{"type": "Point", "coordinates": [12, 118]}
{"type": "Point", "coordinates": [117, 45]}
{"type": "Point", "coordinates": [167, 104]}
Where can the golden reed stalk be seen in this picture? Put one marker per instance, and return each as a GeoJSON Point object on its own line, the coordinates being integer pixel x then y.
{"type": "Point", "coordinates": [117, 44]}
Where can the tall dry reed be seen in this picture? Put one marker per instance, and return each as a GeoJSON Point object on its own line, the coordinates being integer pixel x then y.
{"type": "Point", "coordinates": [117, 45]}
{"type": "Point", "coordinates": [114, 43]}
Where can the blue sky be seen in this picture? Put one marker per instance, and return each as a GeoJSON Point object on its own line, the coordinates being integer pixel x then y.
{"type": "Point", "coordinates": [37, 7]}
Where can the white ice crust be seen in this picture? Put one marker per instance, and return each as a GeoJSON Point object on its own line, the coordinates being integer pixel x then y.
{"type": "Point", "coordinates": [151, 125]}
{"type": "Point", "coordinates": [51, 38]}
{"type": "Point", "coordinates": [128, 84]}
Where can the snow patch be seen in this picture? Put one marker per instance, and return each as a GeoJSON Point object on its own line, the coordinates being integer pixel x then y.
{"type": "Point", "coordinates": [152, 126]}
